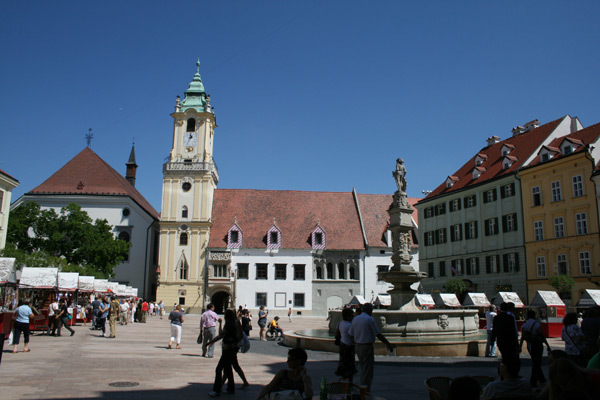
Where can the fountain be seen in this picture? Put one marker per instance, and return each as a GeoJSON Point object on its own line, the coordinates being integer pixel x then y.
{"type": "Point", "coordinates": [414, 332]}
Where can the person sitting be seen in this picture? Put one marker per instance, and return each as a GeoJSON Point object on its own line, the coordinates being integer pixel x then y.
{"type": "Point", "coordinates": [569, 381]}
{"type": "Point", "coordinates": [510, 383]}
{"type": "Point", "coordinates": [464, 388]}
{"type": "Point", "coordinates": [292, 378]}
{"type": "Point", "coordinates": [275, 327]}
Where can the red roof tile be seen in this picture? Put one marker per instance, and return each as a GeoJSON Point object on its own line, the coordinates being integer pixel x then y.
{"type": "Point", "coordinates": [582, 138]}
{"type": "Point", "coordinates": [11, 177]}
{"type": "Point", "coordinates": [523, 145]}
{"type": "Point", "coordinates": [88, 174]}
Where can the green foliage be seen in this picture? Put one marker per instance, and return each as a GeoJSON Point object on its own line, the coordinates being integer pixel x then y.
{"type": "Point", "coordinates": [456, 286]}
{"type": "Point", "coordinates": [70, 240]}
{"type": "Point", "coordinates": [562, 283]}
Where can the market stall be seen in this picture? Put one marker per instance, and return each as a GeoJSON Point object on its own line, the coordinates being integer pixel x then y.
{"type": "Point", "coordinates": [589, 298]}
{"type": "Point", "coordinates": [480, 302]}
{"type": "Point", "coordinates": [512, 297]}
{"type": "Point", "coordinates": [85, 289]}
{"type": "Point", "coordinates": [7, 296]}
{"type": "Point", "coordinates": [39, 285]}
{"type": "Point", "coordinates": [425, 301]}
{"type": "Point", "coordinates": [550, 309]}
{"type": "Point", "coordinates": [446, 300]}
{"type": "Point", "coordinates": [100, 287]}
{"type": "Point", "coordinates": [383, 300]}
{"type": "Point", "coordinates": [68, 283]}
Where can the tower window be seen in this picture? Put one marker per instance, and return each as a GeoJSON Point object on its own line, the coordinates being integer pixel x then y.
{"type": "Point", "coordinates": [319, 271]}
{"type": "Point", "coordinates": [186, 186]}
{"type": "Point", "coordinates": [183, 239]}
{"type": "Point", "coordinates": [126, 212]}
{"type": "Point", "coordinates": [341, 271]}
{"type": "Point", "coordinates": [235, 237]}
{"type": "Point", "coordinates": [191, 125]}
{"type": "Point", "coordinates": [184, 212]}
{"type": "Point", "coordinates": [273, 238]}
{"type": "Point", "coordinates": [124, 236]}
{"type": "Point", "coordinates": [183, 270]}
{"type": "Point", "coordinates": [318, 238]}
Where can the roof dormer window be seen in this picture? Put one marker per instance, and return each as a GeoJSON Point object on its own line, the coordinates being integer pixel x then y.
{"type": "Point", "coordinates": [317, 238]}
{"type": "Point", "coordinates": [450, 181]}
{"type": "Point", "coordinates": [234, 237]}
{"type": "Point", "coordinates": [506, 149]}
{"type": "Point", "coordinates": [274, 238]}
{"type": "Point", "coordinates": [477, 171]}
{"type": "Point", "coordinates": [569, 145]}
{"type": "Point", "coordinates": [508, 161]}
{"type": "Point", "coordinates": [480, 158]}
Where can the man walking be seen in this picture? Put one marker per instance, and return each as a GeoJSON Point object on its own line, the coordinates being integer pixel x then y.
{"type": "Point", "coordinates": [505, 332]}
{"type": "Point", "coordinates": [124, 311]}
{"type": "Point", "coordinates": [364, 330]}
{"type": "Point", "coordinates": [490, 346]}
{"type": "Point", "coordinates": [95, 312]}
{"type": "Point", "coordinates": [144, 311]}
{"type": "Point", "coordinates": [113, 314]}
{"type": "Point", "coordinates": [52, 321]}
{"type": "Point", "coordinates": [208, 323]}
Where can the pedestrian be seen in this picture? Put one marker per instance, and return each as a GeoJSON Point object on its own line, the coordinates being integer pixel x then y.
{"type": "Point", "coordinates": [102, 315]}
{"type": "Point", "coordinates": [124, 306]}
{"type": "Point", "coordinates": [364, 330]}
{"type": "Point", "coordinates": [590, 327]}
{"type": "Point", "coordinates": [208, 323]}
{"type": "Point", "coordinates": [290, 314]}
{"type": "Point", "coordinates": [176, 318]}
{"type": "Point", "coordinates": [151, 306]}
{"type": "Point", "coordinates": [573, 338]}
{"type": "Point", "coordinates": [114, 312]}
{"type": "Point", "coordinates": [63, 317]}
{"type": "Point", "coordinates": [505, 333]}
{"type": "Point", "coordinates": [262, 322]}
{"type": "Point", "coordinates": [531, 331]}
{"type": "Point", "coordinates": [144, 311]}
{"type": "Point", "coordinates": [52, 322]}
{"type": "Point", "coordinates": [346, 365]}
{"type": "Point", "coordinates": [95, 312]}
{"type": "Point", "coordinates": [490, 346]}
{"type": "Point", "coordinates": [161, 309]}
{"type": "Point", "coordinates": [246, 322]}
{"type": "Point", "coordinates": [293, 378]}
{"type": "Point", "coordinates": [22, 316]}
{"type": "Point", "coordinates": [231, 334]}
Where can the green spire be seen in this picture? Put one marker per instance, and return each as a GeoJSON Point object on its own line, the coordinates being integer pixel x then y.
{"type": "Point", "coordinates": [195, 96]}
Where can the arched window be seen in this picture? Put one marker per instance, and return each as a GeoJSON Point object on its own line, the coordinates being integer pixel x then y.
{"type": "Point", "coordinates": [183, 239]}
{"type": "Point", "coordinates": [341, 271]}
{"type": "Point", "coordinates": [351, 273]}
{"type": "Point", "coordinates": [184, 212]}
{"type": "Point", "coordinates": [124, 236]}
{"type": "Point", "coordinates": [319, 273]}
{"type": "Point", "coordinates": [183, 270]}
{"type": "Point", "coordinates": [191, 125]}
{"type": "Point", "coordinates": [329, 271]}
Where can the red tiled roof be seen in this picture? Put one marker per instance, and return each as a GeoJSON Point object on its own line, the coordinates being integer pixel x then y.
{"type": "Point", "coordinates": [88, 174]}
{"type": "Point", "coordinates": [523, 145]}
{"type": "Point", "coordinates": [8, 175]}
{"type": "Point", "coordinates": [582, 138]}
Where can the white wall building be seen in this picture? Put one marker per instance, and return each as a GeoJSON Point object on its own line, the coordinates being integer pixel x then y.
{"type": "Point", "coordinates": [7, 184]}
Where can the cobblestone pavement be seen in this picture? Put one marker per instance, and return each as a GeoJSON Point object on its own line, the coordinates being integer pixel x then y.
{"type": "Point", "coordinates": [84, 366]}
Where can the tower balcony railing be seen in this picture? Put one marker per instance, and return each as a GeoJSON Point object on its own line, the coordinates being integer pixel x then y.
{"type": "Point", "coordinates": [191, 167]}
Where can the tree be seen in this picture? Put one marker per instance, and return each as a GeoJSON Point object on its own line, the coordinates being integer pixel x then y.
{"type": "Point", "coordinates": [69, 240]}
{"type": "Point", "coordinates": [562, 284]}
{"type": "Point", "coordinates": [456, 286]}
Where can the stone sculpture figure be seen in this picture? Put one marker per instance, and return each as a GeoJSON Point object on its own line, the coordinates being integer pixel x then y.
{"type": "Point", "coordinates": [400, 175]}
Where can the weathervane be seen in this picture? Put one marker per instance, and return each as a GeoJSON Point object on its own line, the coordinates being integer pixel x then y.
{"type": "Point", "coordinates": [88, 138]}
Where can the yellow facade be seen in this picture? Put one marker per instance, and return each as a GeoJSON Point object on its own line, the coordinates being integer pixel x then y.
{"type": "Point", "coordinates": [561, 234]}
{"type": "Point", "coordinates": [189, 181]}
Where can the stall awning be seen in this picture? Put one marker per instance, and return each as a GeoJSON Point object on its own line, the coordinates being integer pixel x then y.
{"type": "Point", "coordinates": [7, 270]}
{"type": "Point", "coordinates": [121, 290]}
{"type": "Point", "coordinates": [589, 298]}
{"type": "Point", "coordinates": [424, 300]}
{"type": "Point", "coordinates": [39, 278]}
{"type": "Point", "coordinates": [128, 291]}
{"type": "Point", "coordinates": [86, 283]}
{"type": "Point", "coordinates": [68, 281]}
{"type": "Point", "coordinates": [446, 299]}
{"type": "Point", "coordinates": [134, 292]}
{"type": "Point", "coordinates": [476, 300]}
{"type": "Point", "coordinates": [357, 300]}
{"type": "Point", "coordinates": [383, 299]}
{"type": "Point", "coordinates": [112, 287]}
{"type": "Point", "coordinates": [509, 297]}
{"type": "Point", "coordinates": [100, 285]}
{"type": "Point", "coordinates": [545, 298]}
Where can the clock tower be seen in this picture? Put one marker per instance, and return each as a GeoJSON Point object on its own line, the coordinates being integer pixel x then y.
{"type": "Point", "coordinates": [189, 180]}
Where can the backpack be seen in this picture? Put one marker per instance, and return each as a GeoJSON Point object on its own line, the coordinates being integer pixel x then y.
{"type": "Point", "coordinates": [532, 335]}
{"type": "Point", "coordinates": [244, 344]}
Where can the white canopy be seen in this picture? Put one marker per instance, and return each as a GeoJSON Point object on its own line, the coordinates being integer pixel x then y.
{"type": "Point", "coordinates": [546, 298]}
{"type": "Point", "coordinates": [100, 285]}
{"type": "Point", "coordinates": [86, 283]}
{"type": "Point", "coordinates": [128, 291]}
{"type": "Point", "coordinates": [424, 300]}
{"type": "Point", "coordinates": [134, 292]}
{"type": "Point", "coordinates": [121, 290]}
{"type": "Point", "coordinates": [68, 281]}
{"type": "Point", "coordinates": [357, 300]}
{"type": "Point", "coordinates": [7, 270]}
{"type": "Point", "coordinates": [509, 297]}
{"type": "Point", "coordinates": [447, 299]}
{"type": "Point", "coordinates": [476, 300]}
{"type": "Point", "coordinates": [112, 287]}
{"type": "Point", "coordinates": [589, 298]}
{"type": "Point", "coordinates": [383, 299]}
{"type": "Point", "coordinates": [39, 278]}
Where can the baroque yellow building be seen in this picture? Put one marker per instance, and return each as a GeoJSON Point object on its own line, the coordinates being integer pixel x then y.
{"type": "Point", "coordinates": [189, 180]}
{"type": "Point", "coordinates": [560, 214]}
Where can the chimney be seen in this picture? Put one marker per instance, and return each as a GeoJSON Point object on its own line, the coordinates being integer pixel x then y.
{"type": "Point", "coordinates": [492, 140]}
{"type": "Point", "coordinates": [131, 167]}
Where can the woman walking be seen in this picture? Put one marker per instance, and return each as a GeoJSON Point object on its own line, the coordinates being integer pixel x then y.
{"type": "Point", "coordinates": [573, 338]}
{"type": "Point", "coordinates": [231, 334]}
{"type": "Point", "coordinates": [262, 322]}
{"type": "Point", "coordinates": [346, 366]}
{"type": "Point", "coordinates": [63, 318]}
{"type": "Point", "coordinates": [176, 318]}
{"type": "Point", "coordinates": [102, 315]}
{"type": "Point", "coordinates": [23, 314]}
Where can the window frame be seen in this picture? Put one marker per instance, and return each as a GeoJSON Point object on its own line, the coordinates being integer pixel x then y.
{"type": "Point", "coordinates": [538, 230]}
{"type": "Point", "coordinates": [536, 196]}
{"type": "Point", "coordinates": [556, 191]}
{"type": "Point", "coordinates": [260, 295]}
{"type": "Point", "coordinates": [540, 263]}
{"type": "Point", "coordinates": [299, 304]}
{"type": "Point", "coordinates": [578, 186]}
{"type": "Point", "coordinates": [561, 259]}
{"type": "Point", "coordinates": [559, 227]}
{"type": "Point", "coordinates": [297, 269]}
{"type": "Point", "coordinates": [243, 267]}
{"type": "Point", "coordinates": [581, 223]}
{"type": "Point", "coordinates": [262, 271]}
{"type": "Point", "coordinates": [585, 265]}
{"type": "Point", "coordinates": [280, 271]}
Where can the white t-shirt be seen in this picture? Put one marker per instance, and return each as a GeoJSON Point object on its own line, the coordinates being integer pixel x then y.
{"type": "Point", "coordinates": [344, 328]}
{"type": "Point", "coordinates": [518, 387]}
{"type": "Point", "coordinates": [489, 320]}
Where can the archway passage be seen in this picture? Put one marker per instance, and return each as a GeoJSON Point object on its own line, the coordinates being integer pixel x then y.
{"type": "Point", "coordinates": [220, 301]}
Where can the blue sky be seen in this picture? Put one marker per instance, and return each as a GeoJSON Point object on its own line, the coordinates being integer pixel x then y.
{"type": "Point", "coordinates": [309, 95]}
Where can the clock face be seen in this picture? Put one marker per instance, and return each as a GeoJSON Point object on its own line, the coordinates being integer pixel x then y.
{"type": "Point", "coordinates": [189, 139]}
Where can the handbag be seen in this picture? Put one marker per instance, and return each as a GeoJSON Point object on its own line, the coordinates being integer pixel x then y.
{"type": "Point", "coordinates": [199, 340]}
{"type": "Point", "coordinates": [285, 395]}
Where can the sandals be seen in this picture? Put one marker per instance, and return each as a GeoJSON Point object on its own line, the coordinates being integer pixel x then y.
{"type": "Point", "coordinates": [26, 351]}
{"type": "Point", "coordinates": [178, 347]}
{"type": "Point", "coordinates": [169, 346]}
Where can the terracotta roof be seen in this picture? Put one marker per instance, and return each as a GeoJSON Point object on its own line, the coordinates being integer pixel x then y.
{"type": "Point", "coordinates": [523, 145]}
{"type": "Point", "coordinates": [88, 174]}
{"type": "Point", "coordinates": [8, 175]}
{"type": "Point", "coordinates": [582, 138]}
